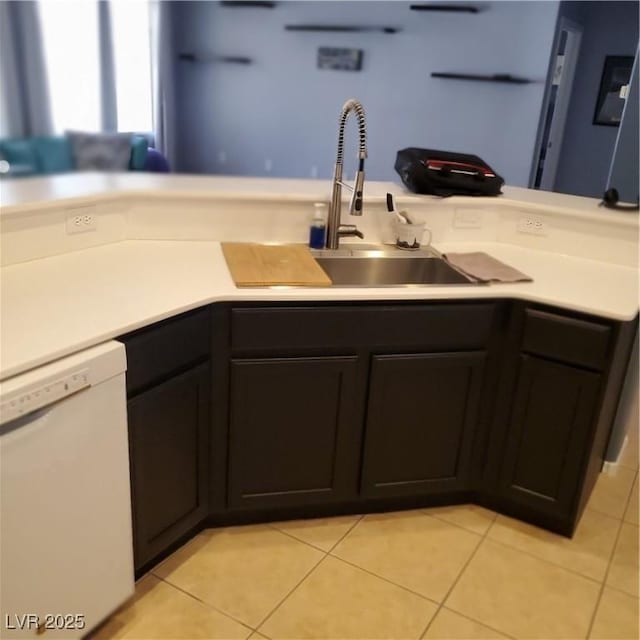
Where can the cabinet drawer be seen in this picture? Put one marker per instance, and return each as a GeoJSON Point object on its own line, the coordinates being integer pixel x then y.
{"type": "Point", "coordinates": [155, 352]}
{"type": "Point", "coordinates": [438, 326]}
{"type": "Point", "coordinates": [571, 340]}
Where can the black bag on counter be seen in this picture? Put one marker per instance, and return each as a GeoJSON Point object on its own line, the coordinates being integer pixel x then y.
{"type": "Point", "coordinates": [443, 173]}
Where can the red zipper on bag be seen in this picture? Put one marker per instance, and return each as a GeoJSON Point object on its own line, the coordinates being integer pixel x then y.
{"type": "Point", "coordinates": [458, 167]}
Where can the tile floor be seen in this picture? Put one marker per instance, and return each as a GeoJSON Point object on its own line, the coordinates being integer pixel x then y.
{"type": "Point", "coordinates": [452, 572]}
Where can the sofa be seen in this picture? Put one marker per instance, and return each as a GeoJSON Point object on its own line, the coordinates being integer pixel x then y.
{"type": "Point", "coordinates": [47, 155]}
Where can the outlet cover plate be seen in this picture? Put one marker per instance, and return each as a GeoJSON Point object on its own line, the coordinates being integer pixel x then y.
{"type": "Point", "coordinates": [81, 219]}
{"type": "Point", "coordinates": [533, 225]}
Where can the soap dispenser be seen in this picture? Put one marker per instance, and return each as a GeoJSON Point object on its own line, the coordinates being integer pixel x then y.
{"type": "Point", "coordinates": [318, 230]}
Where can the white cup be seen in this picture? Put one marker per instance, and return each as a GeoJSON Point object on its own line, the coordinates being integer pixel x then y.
{"type": "Point", "coordinates": [409, 236]}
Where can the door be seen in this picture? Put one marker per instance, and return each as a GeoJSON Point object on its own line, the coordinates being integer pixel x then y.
{"type": "Point", "coordinates": [568, 38]}
{"type": "Point", "coordinates": [548, 434]}
{"type": "Point", "coordinates": [168, 432]}
{"type": "Point", "coordinates": [422, 413]}
{"type": "Point", "coordinates": [293, 431]}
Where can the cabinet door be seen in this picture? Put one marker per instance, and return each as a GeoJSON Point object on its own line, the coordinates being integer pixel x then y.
{"type": "Point", "coordinates": [168, 434]}
{"type": "Point", "coordinates": [551, 420]}
{"type": "Point", "coordinates": [421, 418]}
{"type": "Point", "coordinates": [293, 431]}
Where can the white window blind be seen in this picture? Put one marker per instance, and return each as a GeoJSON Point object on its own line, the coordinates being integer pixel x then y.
{"type": "Point", "coordinates": [70, 32]}
{"type": "Point", "coordinates": [70, 35]}
{"type": "Point", "coordinates": [130, 30]}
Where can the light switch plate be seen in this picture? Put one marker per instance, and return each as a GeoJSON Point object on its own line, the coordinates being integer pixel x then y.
{"type": "Point", "coordinates": [467, 219]}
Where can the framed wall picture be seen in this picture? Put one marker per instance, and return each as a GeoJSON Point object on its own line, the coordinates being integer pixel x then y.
{"type": "Point", "coordinates": [339, 59]}
{"type": "Point", "coordinates": [615, 75]}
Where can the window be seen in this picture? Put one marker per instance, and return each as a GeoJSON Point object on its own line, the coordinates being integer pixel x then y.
{"type": "Point", "coordinates": [130, 30]}
{"type": "Point", "coordinates": [70, 34]}
{"type": "Point", "coordinates": [74, 62]}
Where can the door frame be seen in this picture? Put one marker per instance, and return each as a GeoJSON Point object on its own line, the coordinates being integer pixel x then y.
{"type": "Point", "coordinates": [556, 127]}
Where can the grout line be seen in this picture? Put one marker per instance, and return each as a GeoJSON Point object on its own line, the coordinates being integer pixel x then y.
{"type": "Point", "coordinates": [383, 578]}
{"type": "Point", "coordinates": [455, 582]}
{"type": "Point", "coordinates": [281, 602]}
{"type": "Point", "coordinates": [484, 624]}
{"type": "Point", "coordinates": [351, 528]}
{"type": "Point", "coordinates": [290, 535]}
{"type": "Point", "coordinates": [326, 554]}
{"type": "Point", "coordinates": [207, 604]}
{"type": "Point", "coordinates": [550, 562]}
{"type": "Point", "coordinates": [606, 574]}
{"type": "Point", "coordinates": [425, 511]}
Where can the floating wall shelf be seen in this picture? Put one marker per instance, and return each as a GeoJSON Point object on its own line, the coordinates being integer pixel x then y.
{"type": "Point", "coordinates": [339, 28]}
{"type": "Point", "coordinates": [210, 57]}
{"type": "Point", "coordinates": [496, 77]}
{"type": "Point", "coordinates": [248, 4]}
{"type": "Point", "coordinates": [451, 8]}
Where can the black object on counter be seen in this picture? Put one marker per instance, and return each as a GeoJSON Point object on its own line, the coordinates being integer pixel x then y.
{"type": "Point", "coordinates": [444, 173]}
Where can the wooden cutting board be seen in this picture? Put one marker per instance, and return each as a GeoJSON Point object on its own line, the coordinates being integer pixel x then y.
{"type": "Point", "coordinates": [262, 265]}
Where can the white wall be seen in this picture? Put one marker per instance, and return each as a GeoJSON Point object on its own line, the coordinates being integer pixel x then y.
{"type": "Point", "coordinates": [282, 109]}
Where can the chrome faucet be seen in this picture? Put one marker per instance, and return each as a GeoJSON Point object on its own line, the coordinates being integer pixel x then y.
{"type": "Point", "coordinates": [336, 230]}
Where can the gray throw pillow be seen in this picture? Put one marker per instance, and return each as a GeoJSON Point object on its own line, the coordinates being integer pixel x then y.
{"type": "Point", "coordinates": [100, 151]}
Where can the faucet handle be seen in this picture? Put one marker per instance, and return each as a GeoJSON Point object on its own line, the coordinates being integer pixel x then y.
{"type": "Point", "coordinates": [355, 206]}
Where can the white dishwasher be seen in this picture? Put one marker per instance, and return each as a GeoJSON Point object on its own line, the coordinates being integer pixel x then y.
{"type": "Point", "coordinates": [66, 553]}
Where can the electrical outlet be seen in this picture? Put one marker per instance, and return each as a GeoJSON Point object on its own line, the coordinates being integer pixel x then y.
{"type": "Point", "coordinates": [268, 165]}
{"type": "Point", "coordinates": [81, 220]}
{"type": "Point", "coordinates": [222, 157]}
{"type": "Point", "coordinates": [314, 171]}
{"type": "Point", "coordinates": [533, 226]}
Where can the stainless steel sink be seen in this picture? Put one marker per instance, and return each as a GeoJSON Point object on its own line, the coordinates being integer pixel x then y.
{"type": "Point", "coordinates": [383, 266]}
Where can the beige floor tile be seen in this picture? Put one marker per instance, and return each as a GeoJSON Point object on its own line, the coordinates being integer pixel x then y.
{"type": "Point", "coordinates": [448, 625]}
{"type": "Point", "coordinates": [523, 596]}
{"type": "Point", "coordinates": [623, 573]}
{"type": "Point", "coordinates": [617, 617]}
{"type": "Point", "coordinates": [631, 514]}
{"type": "Point", "coordinates": [160, 611]}
{"type": "Point", "coordinates": [256, 634]}
{"type": "Point", "coordinates": [320, 532]}
{"type": "Point", "coordinates": [588, 552]}
{"type": "Point", "coordinates": [411, 549]}
{"type": "Point", "coordinates": [341, 601]}
{"type": "Point", "coordinates": [612, 491]}
{"type": "Point", "coordinates": [468, 516]}
{"type": "Point", "coordinates": [243, 571]}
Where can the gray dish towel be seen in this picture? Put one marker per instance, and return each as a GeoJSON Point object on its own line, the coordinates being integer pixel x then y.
{"type": "Point", "coordinates": [481, 267]}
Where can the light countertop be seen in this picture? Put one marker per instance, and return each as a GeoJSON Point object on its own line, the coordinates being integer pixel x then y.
{"type": "Point", "coordinates": [55, 306]}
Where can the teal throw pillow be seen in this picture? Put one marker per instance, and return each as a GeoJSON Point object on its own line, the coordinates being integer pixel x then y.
{"type": "Point", "coordinates": [54, 154]}
{"type": "Point", "coordinates": [139, 147]}
{"type": "Point", "coordinates": [21, 156]}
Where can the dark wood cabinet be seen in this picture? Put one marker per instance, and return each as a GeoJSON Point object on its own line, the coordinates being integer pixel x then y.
{"type": "Point", "coordinates": [169, 392]}
{"type": "Point", "coordinates": [548, 434]}
{"type": "Point", "coordinates": [294, 435]}
{"type": "Point", "coordinates": [258, 411]}
{"type": "Point", "coordinates": [168, 436]}
{"type": "Point", "coordinates": [421, 417]}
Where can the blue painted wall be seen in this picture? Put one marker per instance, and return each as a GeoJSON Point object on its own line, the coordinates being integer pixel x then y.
{"type": "Point", "coordinates": [279, 116]}
{"type": "Point", "coordinates": [625, 172]}
{"type": "Point", "coordinates": [610, 28]}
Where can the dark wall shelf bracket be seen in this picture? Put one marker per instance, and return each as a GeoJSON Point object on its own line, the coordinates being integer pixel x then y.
{"type": "Point", "coordinates": [449, 8]}
{"type": "Point", "coordinates": [248, 4]}
{"type": "Point", "coordinates": [496, 77]}
{"type": "Point", "coordinates": [339, 28]}
{"type": "Point", "coordinates": [208, 58]}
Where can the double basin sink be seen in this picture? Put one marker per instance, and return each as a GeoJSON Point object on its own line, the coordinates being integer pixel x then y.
{"type": "Point", "coordinates": [384, 265]}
